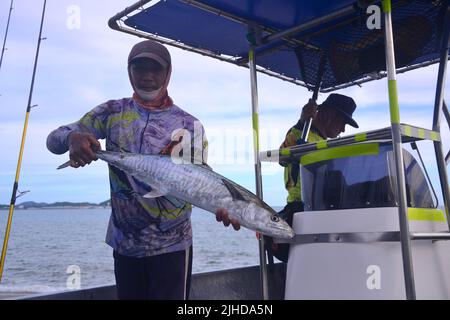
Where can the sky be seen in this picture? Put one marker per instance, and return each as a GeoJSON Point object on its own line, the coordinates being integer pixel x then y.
{"type": "Point", "coordinates": [82, 65]}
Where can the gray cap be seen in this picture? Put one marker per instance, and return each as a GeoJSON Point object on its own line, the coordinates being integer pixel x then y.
{"type": "Point", "coordinates": [152, 50]}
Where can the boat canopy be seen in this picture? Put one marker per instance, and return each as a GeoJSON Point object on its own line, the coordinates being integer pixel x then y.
{"type": "Point", "coordinates": [311, 43]}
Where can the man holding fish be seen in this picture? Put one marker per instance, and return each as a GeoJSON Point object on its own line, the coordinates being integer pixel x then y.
{"type": "Point", "coordinates": [151, 192]}
{"type": "Point", "coordinates": [151, 236]}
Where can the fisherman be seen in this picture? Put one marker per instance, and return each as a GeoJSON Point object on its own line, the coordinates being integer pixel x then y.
{"type": "Point", "coordinates": [329, 120]}
{"type": "Point", "coordinates": [151, 238]}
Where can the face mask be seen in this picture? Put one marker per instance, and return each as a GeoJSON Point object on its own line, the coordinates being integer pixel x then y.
{"type": "Point", "coordinates": [148, 95]}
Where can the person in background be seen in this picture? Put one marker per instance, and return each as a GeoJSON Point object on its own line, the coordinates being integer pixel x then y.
{"type": "Point", "coordinates": [329, 121]}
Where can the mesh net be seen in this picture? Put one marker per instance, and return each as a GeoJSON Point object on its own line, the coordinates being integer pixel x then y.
{"type": "Point", "coordinates": [354, 51]}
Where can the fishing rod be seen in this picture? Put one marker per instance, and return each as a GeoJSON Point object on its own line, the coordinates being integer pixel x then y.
{"type": "Point", "coordinates": [6, 33]}
{"type": "Point", "coordinates": [308, 122]}
{"type": "Point", "coordinates": [19, 162]}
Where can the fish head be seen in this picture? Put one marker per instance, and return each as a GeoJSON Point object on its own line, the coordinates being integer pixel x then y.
{"type": "Point", "coordinates": [281, 229]}
{"type": "Point", "coordinates": [266, 221]}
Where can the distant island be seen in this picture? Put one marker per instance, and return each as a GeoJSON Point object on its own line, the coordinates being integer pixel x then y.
{"type": "Point", "coordinates": [58, 205]}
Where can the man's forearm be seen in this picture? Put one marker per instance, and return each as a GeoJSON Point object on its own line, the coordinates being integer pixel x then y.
{"type": "Point", "coordinates": [57, 140]}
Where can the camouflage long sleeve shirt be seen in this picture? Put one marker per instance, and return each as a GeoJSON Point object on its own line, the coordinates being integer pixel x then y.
{"type": "Point", "coordinates": [139, 227]}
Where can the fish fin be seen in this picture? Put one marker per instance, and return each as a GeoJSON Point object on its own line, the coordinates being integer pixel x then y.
{"type": "Point", "coordinates": [235, 194]}
{"type": "Point", "coordinates": [205, 166]}
{"type": "Point", "coordinates": [156, 190]}
{"type": "Point", "coordinates": [154, 194]}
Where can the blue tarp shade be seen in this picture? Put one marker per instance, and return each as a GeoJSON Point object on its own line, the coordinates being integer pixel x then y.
{"type": "Point", "coordinates": [351, 50]}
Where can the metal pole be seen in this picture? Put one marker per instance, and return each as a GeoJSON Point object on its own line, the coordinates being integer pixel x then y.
{"type": "Point", "coordinates": [19, 162]}
{"type": "Point", "coordinates": [430, 236]}
{"type": "Point", "coordinates": [238, 19]}
{"type": "Point", "coordinates": [446, 113]}
{"type": "Point", "coordinates": [447, 117]}
{"type": "Point", "coordinates": [398, 154]}
{"type": "Point", "coordinates": [259, 190]}
{"type": "Point", "coordinates": [308, 123]}
{"type": "Point", "coordinates": [438, 108]}
{"type": "Point", "coordinates": [311, 24]}
{"type": "Point", "coordinates": [6, 33]}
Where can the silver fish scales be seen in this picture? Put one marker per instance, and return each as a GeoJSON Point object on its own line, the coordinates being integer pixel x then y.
{"type": "Point", "coordinates": [202, 187]}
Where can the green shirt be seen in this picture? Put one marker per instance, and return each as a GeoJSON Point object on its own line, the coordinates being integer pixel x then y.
{"type": "Point", "coordinates": [291, 172]}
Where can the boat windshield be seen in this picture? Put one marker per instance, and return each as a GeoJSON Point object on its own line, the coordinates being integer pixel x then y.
{"type": "Point", "coordinates": [362, 181]}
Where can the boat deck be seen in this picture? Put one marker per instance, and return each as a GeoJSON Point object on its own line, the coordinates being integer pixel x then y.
{"type": "Point", "coordinates": [233, 284]}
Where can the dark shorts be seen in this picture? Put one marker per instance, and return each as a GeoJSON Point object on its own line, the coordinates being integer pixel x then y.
{"type": "Point", "coordinates": [162, 277]}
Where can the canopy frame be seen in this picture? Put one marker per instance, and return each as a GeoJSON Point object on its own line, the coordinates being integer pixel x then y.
{"type": "Point", "coordinates": [117, 23]}
{"type": "Point", "coordinates": [281, 38]}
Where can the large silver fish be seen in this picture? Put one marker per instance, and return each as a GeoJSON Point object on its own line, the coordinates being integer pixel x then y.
{"type": "Point", "coordinates": [202, 187]}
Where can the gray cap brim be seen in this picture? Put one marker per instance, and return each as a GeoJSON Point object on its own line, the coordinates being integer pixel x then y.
{"type": "Point", "coordinates": [151, 56]}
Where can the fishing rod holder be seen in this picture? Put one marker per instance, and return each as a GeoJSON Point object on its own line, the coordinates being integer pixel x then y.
{"type": "Point", "coordinates": [21, 193]}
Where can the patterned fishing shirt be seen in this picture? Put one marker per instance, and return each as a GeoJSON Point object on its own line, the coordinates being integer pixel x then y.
{"type": "Point", "coordinates": [140, 227]}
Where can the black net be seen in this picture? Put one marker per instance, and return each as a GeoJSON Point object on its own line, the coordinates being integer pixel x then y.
{"type": "Point", "coordinates": [354, 51]}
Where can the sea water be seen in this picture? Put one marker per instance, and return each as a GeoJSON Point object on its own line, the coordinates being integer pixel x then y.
{"type": "Point", "coordinates": [48, 248]}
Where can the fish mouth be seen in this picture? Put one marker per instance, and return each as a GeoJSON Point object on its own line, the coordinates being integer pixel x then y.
{"type": "Point", "coordinates": [286, 233]}
{"type": "Point", "coordinates": [282, 229]}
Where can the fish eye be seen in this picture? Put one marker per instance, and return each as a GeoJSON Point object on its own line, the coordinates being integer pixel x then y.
{"type": "Point", "coordinates": [275, 218]}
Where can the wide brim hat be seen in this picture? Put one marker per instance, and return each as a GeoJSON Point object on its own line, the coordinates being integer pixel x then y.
{"type": "Point", "coordinates": [344, 105]}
